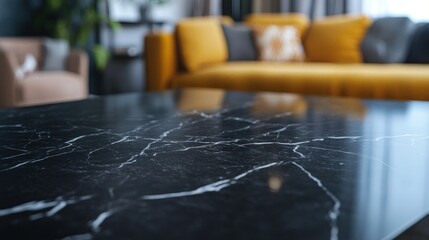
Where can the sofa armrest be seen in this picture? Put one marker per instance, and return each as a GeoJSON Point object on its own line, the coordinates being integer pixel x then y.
{"type": "Point", "coordinates": [160, 60]}
{"type": "Point", "coordinates": [8, 65]}
{"type": "Point", "coordinates": [77, 62]}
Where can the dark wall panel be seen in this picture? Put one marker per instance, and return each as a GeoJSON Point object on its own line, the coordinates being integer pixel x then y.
{"type": "Point", "coordinates": [237, 9]}
{"type": "Point", "coordinates": [15, 18]}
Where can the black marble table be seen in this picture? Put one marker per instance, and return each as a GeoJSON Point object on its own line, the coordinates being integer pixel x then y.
{"type": "Point", "coordinates": [205, 164]}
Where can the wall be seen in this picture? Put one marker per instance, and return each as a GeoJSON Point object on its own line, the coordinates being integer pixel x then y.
{"type": "Point", "coordinates": [14, 17]}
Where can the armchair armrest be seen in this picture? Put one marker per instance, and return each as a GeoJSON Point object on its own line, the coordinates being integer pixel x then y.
{"type": "Point", "coordinates": [77, 62]}
{"type": "Point", "coordinates": [8, 65]}
{"type": "Point", "coordinates": [161, 61]}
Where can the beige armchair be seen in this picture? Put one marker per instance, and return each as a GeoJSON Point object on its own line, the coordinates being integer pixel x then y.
{"type": "Point", "coordinates": [39, 87]}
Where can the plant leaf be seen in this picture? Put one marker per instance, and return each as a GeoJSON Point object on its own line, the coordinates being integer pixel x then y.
{"type": "Point", "coordinates": [101, 56]}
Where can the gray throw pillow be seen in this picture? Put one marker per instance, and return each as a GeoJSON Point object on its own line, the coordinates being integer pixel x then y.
{"type": "Point", "coordinates": [388, 40]}
{"type": "Point", "coordinates": [241, 43]}
{"type": "Point", "coordinates": [419, 49]}
{"type": "Point", "coordinates": [55, 54]}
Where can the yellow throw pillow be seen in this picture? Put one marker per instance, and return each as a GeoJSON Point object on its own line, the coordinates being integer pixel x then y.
{"type": "Point", "coordinates": [279, 43]}
{"type": "Point", "coordinates": [201, 42]}
{"type": "Point", "coordinates": [299, 21]}
{"type": "Point", "coordinates": [336, 39]}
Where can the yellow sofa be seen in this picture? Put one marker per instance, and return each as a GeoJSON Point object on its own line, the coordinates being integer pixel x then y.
{"type": "Point", "coordinates": [165, 70]}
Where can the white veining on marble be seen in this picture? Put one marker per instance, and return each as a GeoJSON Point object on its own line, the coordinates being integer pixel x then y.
{"type": "Point", "coordinates": [52, 156]}
{"type": "Point", "coordinates": [334, 213]}
{"type": "Point", "coordinates": [124, 139]}
{"type": "Point", "coordinates": [31, 206]}
{"type": "Point", "coordinates": [131, 160]}
{"type": "Point", "coordinates": [276, 143]}
{"type": "Point", "coordinates": [40, 136]}
{"type": "Point", "coordinates": [15, 156]}
{"type": "Point", "coordinates": [318, 140]}
{"type": "Point", "coordinates": [282, 129]}
{"type": "Point", "coordinates": [56, 209]}
{"type": "Point", "coordinates": [95, 225]}
{"type": "Point", "coordinates": [15, 166]}
{"type": "Point", "coordinates": [163, 135]}
{"type": "Point", "coordinates": [243, 120]}
{"type": "Point", "coordinates": [134, 158]}
{"type": "Point", "coordinates": [203, 145]}
{"type": "Point", "coordinates": [55, 206]}
{"type": "Point", "coordinates": [51, 212]}
{"type": "Point", "coordinates": [11, 126]}
{"type": "Point", "coordinates": [68, 144]}
{"type": "Point", "coordinates": [295, 150]}
{"type": "Point", "coordinates": [344, 137]}
{"type": "Point", "coordinates": [16, 149]}
{"type": "Point", "coordinates": [213, 187]}
{"type": "Point", "coordinates": [23, 152]}
{"type": "Point", "coordinates": [161, 141]}
{"type": "Point", "coordinates": [399, 136]}
{"type": "Point", "coordinates": [76, 139]}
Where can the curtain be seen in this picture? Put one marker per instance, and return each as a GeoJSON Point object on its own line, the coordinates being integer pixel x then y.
{"type": "Point", "coordinates": [313, 8]}
{"type": "Point", "coordinates": [237, 9]}
{"type": "Point", "coordinates": [266, 6]}
{"type": "Point", "coordinates": [206, 7]}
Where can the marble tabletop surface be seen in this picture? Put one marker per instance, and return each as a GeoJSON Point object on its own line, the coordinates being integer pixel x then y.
{"type": "Point", "coordinates": [208, 164]}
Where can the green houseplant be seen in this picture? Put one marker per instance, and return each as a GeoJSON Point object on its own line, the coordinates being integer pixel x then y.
{"type": "Point", "coordinates": [74, 21]}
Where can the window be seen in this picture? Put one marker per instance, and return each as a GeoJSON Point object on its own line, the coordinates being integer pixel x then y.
{"type": "Point", "coordinates": [417, 10]}
{"type": "Point", "coordinates": [124, 11]}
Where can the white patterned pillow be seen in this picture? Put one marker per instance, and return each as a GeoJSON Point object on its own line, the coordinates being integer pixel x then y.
{"type": "Point", "coordinates": [29, 66]}
{"type": "Point", "coordinates": [279, 43]}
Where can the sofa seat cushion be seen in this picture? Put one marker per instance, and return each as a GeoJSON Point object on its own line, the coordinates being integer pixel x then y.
{"type": "Point", "coordinates": [50, 87]}
{"type": "Point", "coordinates": [353, 80]}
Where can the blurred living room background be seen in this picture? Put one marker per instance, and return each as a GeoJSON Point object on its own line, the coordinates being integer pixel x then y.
{"type": "Point", "coordinates": [110, 34]}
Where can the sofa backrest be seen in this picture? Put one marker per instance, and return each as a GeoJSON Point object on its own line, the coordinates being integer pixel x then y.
{"type": "Point", "coordinates": [23, 46]}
